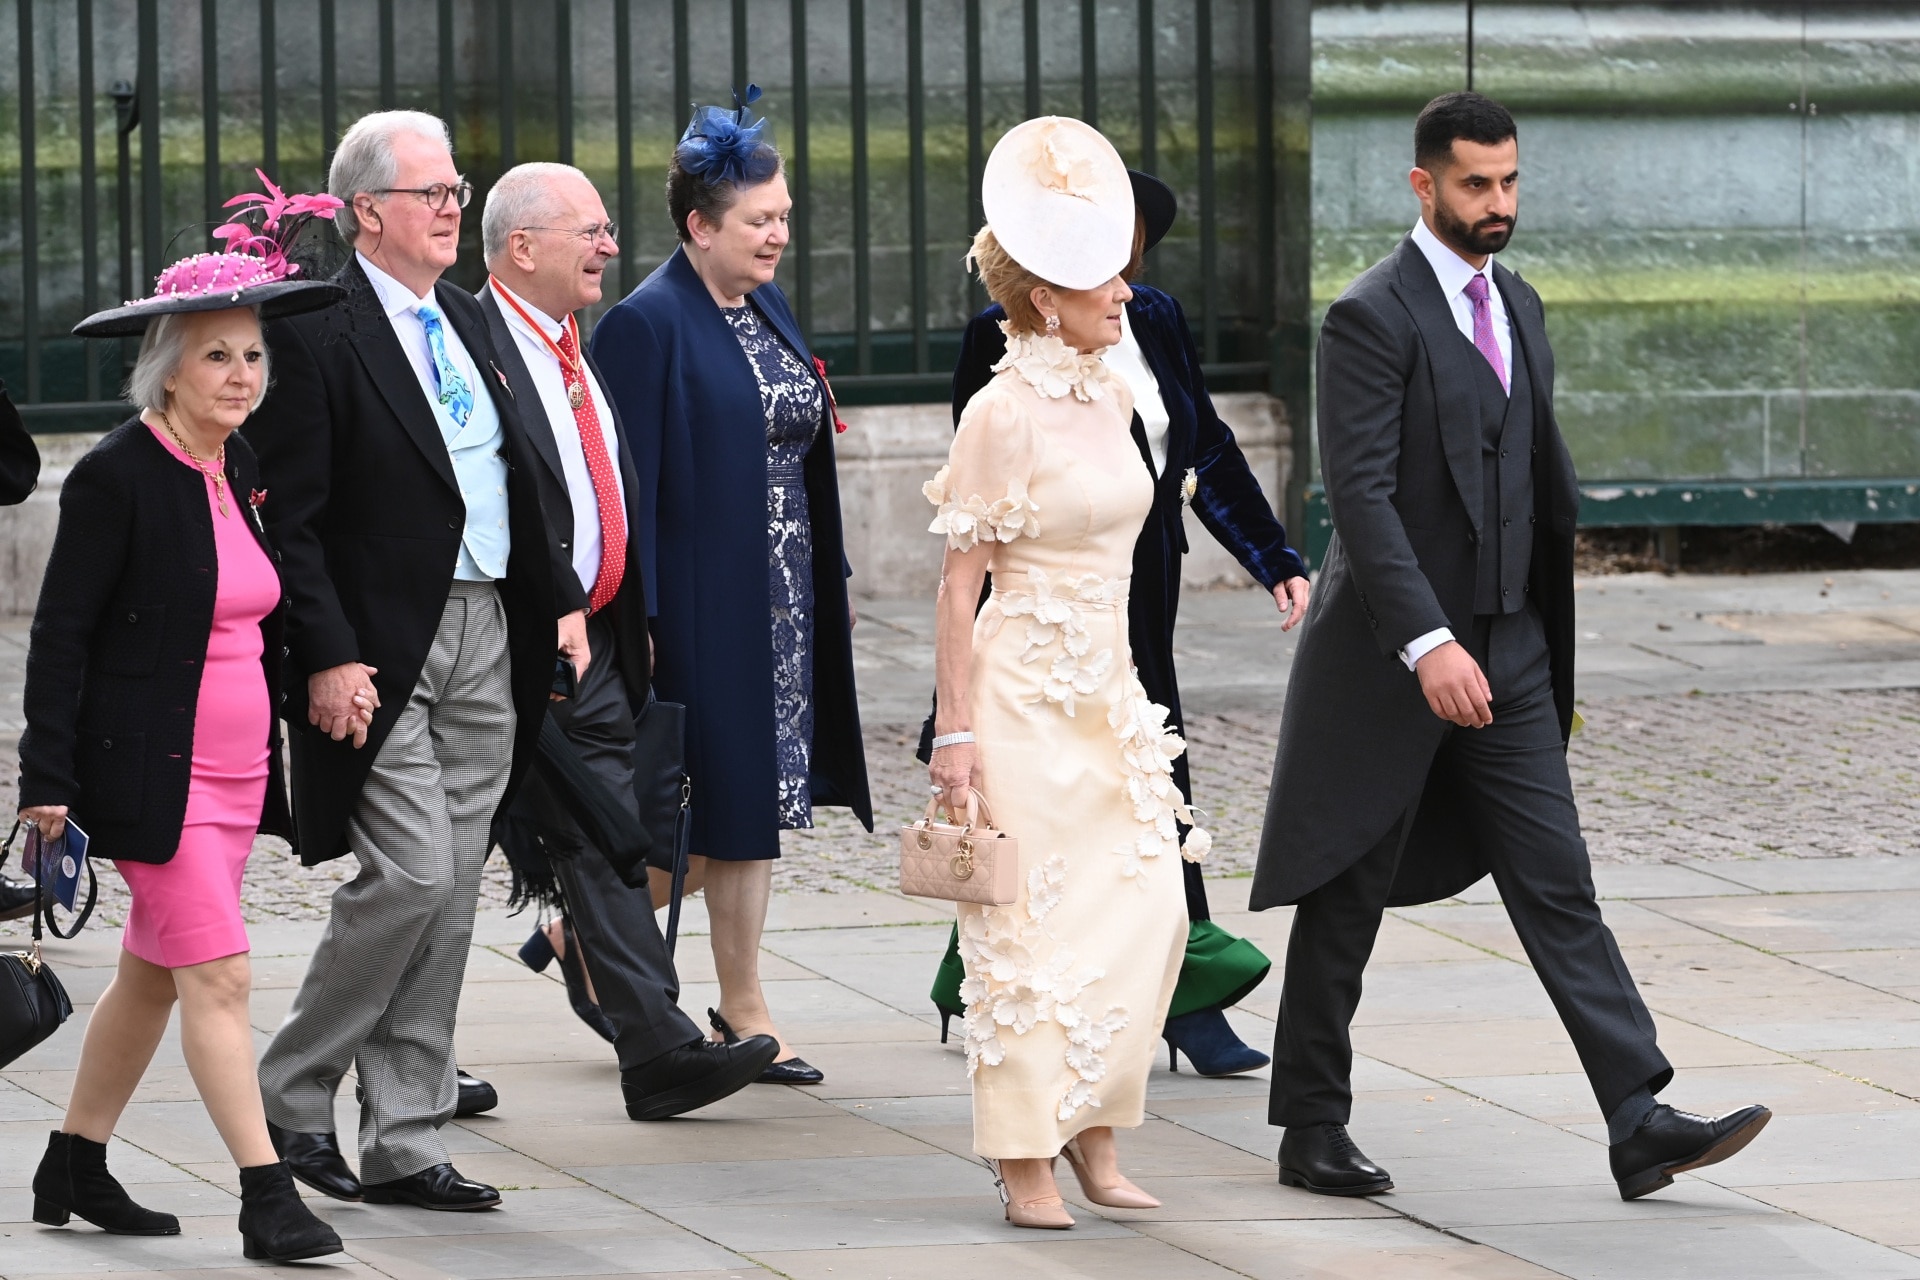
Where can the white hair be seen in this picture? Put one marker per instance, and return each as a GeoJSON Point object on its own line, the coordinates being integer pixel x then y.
{"type": "Point", "coordinates": [523, 197]}
{"type": "Point", "coordinates": [364, 160]}
{"type": "Point", "coordinates": [161, 352]}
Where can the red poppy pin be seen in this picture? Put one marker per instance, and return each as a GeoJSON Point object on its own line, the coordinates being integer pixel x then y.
{"type": "Point", "coordinates": [256, 498]}
{"type": "Point", "coordinates": [820, 367]}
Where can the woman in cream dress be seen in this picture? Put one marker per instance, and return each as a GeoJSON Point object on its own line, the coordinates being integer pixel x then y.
{"type": "Point", "coordinates": [1039, 708]}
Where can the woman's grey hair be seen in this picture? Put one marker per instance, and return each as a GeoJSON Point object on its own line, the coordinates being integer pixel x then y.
{"type": "Point", "coordinates": [364, 160]}
{"type": "Point", "coordinates": [161, 352]}
{"type": "Point", "coordinates": [522, 198]}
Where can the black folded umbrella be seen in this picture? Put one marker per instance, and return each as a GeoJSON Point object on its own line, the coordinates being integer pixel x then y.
{"type": "Point", "coordinates": [608, 825]}
{"type": "Point", "coordinates": [562, 806]}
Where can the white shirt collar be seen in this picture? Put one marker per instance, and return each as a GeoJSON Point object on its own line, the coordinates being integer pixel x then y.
{"type": "Point", "coordinates": [554, 328]}
{"type": "Point", "coordinates": [1453, 270]}
{"type": "Point", "coordinates": [394, 296]}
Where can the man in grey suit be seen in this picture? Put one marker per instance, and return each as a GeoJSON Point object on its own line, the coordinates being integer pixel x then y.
{"type": "Point", "coordinates": [1426, 724]}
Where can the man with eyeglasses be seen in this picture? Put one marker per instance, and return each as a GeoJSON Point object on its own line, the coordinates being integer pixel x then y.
{"type": "Point", "coordinates": [548, 242]}
{"type": "Point", "coordinates": [423, 586]}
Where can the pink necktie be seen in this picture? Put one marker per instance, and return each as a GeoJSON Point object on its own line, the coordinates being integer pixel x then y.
{"type": "Point", "coordinates": [1483, 329]}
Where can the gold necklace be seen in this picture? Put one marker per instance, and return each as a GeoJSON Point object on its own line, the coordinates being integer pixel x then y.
{"type": "Point", "coordinates": [216, 471]}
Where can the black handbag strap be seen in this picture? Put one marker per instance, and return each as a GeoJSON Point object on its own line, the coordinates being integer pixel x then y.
{"type": "Point", "coordinates": [682, 833]}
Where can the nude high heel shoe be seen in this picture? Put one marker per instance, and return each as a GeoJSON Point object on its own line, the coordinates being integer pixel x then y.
{"type": "Point", "coordinates": [1120, 1195]}
{"type": "Point", "coordinates": [1047, 1215]}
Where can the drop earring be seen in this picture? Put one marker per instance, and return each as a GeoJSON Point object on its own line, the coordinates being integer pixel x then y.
{"type": "Point", "coordinates": [1053, 323]}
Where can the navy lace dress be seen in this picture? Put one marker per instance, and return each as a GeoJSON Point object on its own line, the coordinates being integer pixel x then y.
{"type": "Point", "coordinates": [790, 395]}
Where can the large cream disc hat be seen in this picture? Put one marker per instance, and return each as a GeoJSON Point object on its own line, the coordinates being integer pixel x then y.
{"type": "Point", "coordinates": [1059, 201]}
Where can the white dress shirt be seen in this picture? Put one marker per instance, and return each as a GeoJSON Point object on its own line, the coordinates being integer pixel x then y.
{"type": "Point", "coordinates": [1130, 362]}
{"type": "Point", "coordinates": [1454, 272]}
{"type": "Point", "coordinates": [400, 304]}
{"type": "Point", "coordinates": [544, 365]}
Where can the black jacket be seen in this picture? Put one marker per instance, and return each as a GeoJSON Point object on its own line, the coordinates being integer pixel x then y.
{"type": "Point", "coordinates": [19, 459]}
{"type": "Point", "coordinates": [368, 514]}
{"type": "Point", "coordinates": [119, 642]}
{"type": "Point", "coordinates": [1400, 448]}
{"type": "Point", "coordinates": [628, 612]}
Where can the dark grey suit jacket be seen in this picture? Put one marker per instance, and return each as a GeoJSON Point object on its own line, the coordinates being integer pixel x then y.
{"type": "Point", "coordinates": [1399, 421]}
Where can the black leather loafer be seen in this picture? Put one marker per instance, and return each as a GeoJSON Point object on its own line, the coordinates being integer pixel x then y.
{"type": "Point", "coordinates": [476, 1095]}
{"type": "Point", "coordinates": [438, 1187]}
{"type": "Point", "coordinates": [315, 1159]}
{"type": "Point", "coordinates": [1321, 1158]}
{"type": "Point", "coordinates": [695, 1074]}
{"type": "Point", "coordinates": [1669, 1142]}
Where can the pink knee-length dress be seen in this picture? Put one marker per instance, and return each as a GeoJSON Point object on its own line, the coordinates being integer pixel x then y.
{"type": "Point", "coordinates": [186, 911]}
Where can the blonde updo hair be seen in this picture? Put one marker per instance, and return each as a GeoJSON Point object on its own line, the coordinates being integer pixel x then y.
{"type": "Point", "coordinates": [1007, 282]}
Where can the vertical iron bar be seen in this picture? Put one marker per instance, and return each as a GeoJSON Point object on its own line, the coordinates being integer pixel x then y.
{"type": "Point", "coordinates": [1030, 48]}
{"type": "Point", "coordinates": [389, 91]}
{"type": "Point", "coordinates": [862, 241]}
{"type": "Point", "coordinates": [29, 207]}
{"type": "Point", "coordinates": [563, 75]}
{"type": "Point", "coordinates": [623, 129]}
{"type": "Point", "coordinates": [1469, 46]}
{"type": "Point", "coordinates": [148, 60]}
{"type": "Point", "coordinates": [444, 57]}
{"type": "Point", "coordinates": [1209, 205]}
{"type": "Point", "coordinates": [1290, 353]}
{"type": "Point", "coordinates": [802, 226]}
{"type": "Point", "coordinates": [740, 45]}
{"type": "Point", "coordinates": [89, 191]}
{"type": "Point", "coordinates": [917, 180]}
{"type": "Point", "coordinates": [682, 73]}
{"type": "Point", "coordinates": [1090, 62]}
{"type": "Point", "coordinates": [269, 94]}
{"type": "Point", "coordinates": [329, 106]}
{"type": "Point", "coordinates": [1149, 113]}
{"type": "Point", "coordinates": [210, 104]}
{"type": "Point", "coordinates": [1263, 166]}
{"type": "Point", "coordinates": [976, 152]}
{"type": "Point", "coordinates": [505, 34]}
{"type": "Point", "coordinates": [126, 114]}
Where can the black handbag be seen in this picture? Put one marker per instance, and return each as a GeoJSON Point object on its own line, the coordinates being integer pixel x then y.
{"type": "Point", "coordinates": [665, 792]}
{"type": "Point", "coordinates": [33, 1004]}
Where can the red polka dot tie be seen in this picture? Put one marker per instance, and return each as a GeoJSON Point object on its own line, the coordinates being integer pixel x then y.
{"type": "Point", "coordinates": [606, 489]}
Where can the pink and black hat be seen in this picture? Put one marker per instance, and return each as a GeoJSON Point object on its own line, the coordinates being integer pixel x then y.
{"type": "Point", "coordinates": [253, 270]}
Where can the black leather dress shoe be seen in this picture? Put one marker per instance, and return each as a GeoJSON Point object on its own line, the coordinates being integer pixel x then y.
{"type": "Point", "coordinates": [438, 1187]}
{"type": "Point", "coordinates": [694, 1075]}
{"type": "Point", "coordinates": [1669, 1142]}
{"type": "Point", "coordinates": [476, 1095]}
{"type": "Point", "coordinates": [1321, 1158]}
{"type": "Point", "coordinates": [16, 899]}
{"type": "Point", "coordinates": [315, 1159]}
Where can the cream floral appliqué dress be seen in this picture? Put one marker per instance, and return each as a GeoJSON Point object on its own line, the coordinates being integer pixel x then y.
{"type": "Point", "coordinates": [1067, 988]}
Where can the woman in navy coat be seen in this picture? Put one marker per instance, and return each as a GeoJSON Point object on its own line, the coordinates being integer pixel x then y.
{"type": "Point", "coordinates": [1193, 459]}
{"type": "Point", "coordinates": [730, 427]}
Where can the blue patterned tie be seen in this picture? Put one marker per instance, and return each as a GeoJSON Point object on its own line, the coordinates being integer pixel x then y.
{"type": "Point", "coordinates": [456, 397]}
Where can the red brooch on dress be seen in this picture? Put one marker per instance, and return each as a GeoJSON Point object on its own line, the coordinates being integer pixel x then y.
{"type": "Point", "coordinates": [820, 367]}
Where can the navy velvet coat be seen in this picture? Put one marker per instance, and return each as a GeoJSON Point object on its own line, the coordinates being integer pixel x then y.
{"type": "Point", "coordinates": [693, 424]}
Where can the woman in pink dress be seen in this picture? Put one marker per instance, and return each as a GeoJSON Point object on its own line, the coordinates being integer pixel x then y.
{"type": "Point", "coordinates": [152, 680]}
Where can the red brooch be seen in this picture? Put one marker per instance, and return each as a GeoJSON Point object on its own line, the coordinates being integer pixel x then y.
{"type": "Point", "coordinates": [820, 367]}
{"type": "Point", "coordinates": [256, 497]}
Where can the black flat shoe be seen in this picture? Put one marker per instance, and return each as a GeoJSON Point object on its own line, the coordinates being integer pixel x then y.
{"type": "Point", "coordinates": [790, 1071]}
{"type": "Point", "coordinates": [16, 899]}
{"type": "Point", "coordinates": [695, 1074]}
{"type": "Point", "coordinates": [1321, 1158]}
{"type": "Point", "coordinates": [315, 1159]}
{"type": "Point", "coordinates": [439, 1187]}
{"type": "Point", "coordinates": [275, 1223]}
{"type": "Point", "coordinates": [476, 1095]}
{"type": "Point", "coordinates": [72, 1182]}
{"type": "Point", "coordinates": [1669, 1142]}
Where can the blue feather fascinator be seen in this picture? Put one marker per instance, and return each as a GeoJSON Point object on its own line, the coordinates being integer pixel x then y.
{"type": "Point", "coordinates": [728, 146]}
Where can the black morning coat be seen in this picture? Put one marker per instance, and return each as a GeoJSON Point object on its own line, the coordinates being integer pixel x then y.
{"type": "Point", "coordinates": [693, 423]}
{"type": "Point", "coordinates": [367, 512]}
{"type": "Point", "coordinates": [1400, 446]}
{"type": "Point", "coordinates": [628, 612]}
{"type": "Point", "coordinates": [120, 640]}
{"type": "Point", "coordinates": [19, 458]}
{"type": "Point", "coordinates": [1227, 498]}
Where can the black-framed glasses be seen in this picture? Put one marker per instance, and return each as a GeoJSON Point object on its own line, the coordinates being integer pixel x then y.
{"type": "Point", "coordinates": [610, 229]}
{"type": "Point", "coordinates": [435, 195]}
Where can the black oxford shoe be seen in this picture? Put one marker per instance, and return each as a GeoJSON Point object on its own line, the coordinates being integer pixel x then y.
{"type": "Point", "coordinates": [437, 1187]}
{"type": "Point", "coordinates": [315, 1159]}
{"type": "Point", "coordinates": [476, 1095]}
{"type": "Point", "coordinates": [1669, 1142]}
{"type": "Point", "coordinates": [694, 1075]}
{"type": "Point", "coordinates": [1321, 1158]}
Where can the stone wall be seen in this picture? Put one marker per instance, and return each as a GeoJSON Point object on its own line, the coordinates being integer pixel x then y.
{"type": "Point", "coordinates": [885, 456]}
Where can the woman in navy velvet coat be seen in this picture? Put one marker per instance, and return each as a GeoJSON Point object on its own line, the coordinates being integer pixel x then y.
{"type": "Point", "coordinates": [728, 422]}
{"type": "Point", "coordinates": [1220, 969]}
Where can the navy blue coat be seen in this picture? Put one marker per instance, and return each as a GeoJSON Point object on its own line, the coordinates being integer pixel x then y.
{"type": "Point", "coordinates": [691, 417]}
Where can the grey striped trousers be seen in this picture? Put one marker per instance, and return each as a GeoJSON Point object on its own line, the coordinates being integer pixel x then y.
{"type": "Point", "coordinates": [384, 985]}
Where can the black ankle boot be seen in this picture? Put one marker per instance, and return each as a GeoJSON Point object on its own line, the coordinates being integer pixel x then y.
{"type": "Point", "coordinates": [73, 1180]}
{"type": "Point", "coordinates": [275, 1223]}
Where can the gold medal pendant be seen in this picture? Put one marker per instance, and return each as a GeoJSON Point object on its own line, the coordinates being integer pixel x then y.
{"type": "Point", "coordinates": [577, 394]}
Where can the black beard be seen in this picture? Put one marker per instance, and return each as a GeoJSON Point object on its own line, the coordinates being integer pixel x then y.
{"type": "Point", "coordinates": [1490, 236]}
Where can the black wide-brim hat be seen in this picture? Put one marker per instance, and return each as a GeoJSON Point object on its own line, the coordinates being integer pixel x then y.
{"type": "Point", "coordinates": [1156, 204]}
{"type": "Point", "coordinates": [275, 298]}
